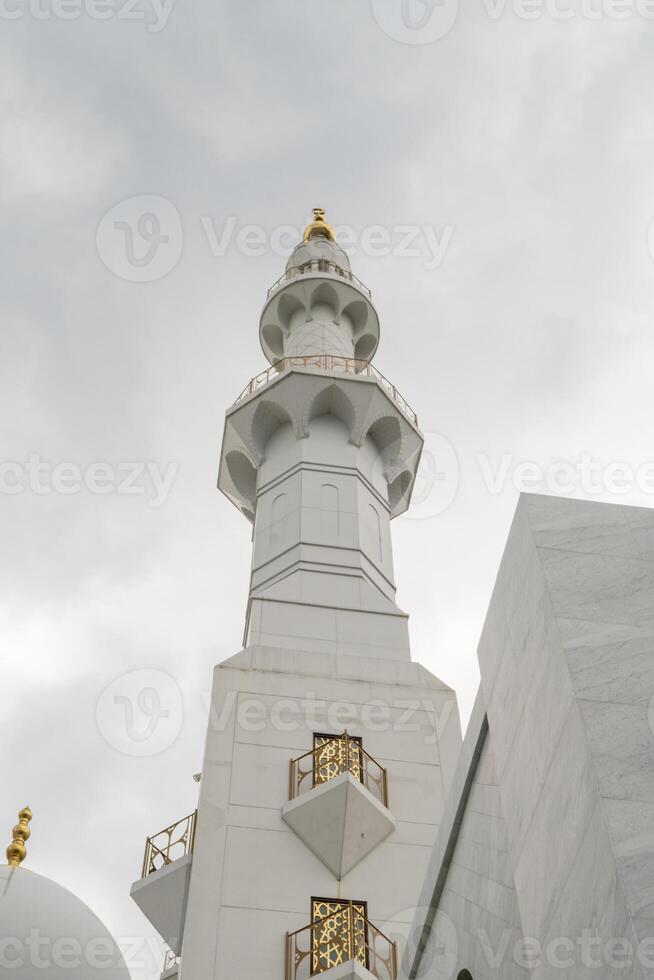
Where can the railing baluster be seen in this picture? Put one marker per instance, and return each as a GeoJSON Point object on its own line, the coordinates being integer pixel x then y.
{"type": "Point", "coordinates": [329, 362]}
{"type": "Point", "coordinates": [185, 838]}
{"type": "Point", "coordinates": [313, 949]}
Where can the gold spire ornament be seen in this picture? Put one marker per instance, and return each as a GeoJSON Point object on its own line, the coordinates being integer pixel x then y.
{"type": "Point", "coordinates": [319, 227]}
{"type": "Point", "coordinates": [17, 851]}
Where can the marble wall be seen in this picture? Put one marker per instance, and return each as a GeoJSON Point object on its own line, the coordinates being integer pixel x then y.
{"type": "Point", "coordinates": [252, 877]}
{"type": "Point", "coordinates": [567, 681]}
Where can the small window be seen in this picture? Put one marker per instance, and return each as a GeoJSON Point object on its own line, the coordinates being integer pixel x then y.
{"type": "Point", "coordinates": [464, 975]}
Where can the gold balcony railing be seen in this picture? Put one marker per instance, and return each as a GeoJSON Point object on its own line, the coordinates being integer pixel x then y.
{"type": "Point", "coordinates": [317, 266]}
{"type": "Point", "coordinates": [329, 362]}
{"type": "Point", "coordinates": [344, 935]}
{"type": "Point", "coordinates": [169, 844]}
{"type": "Point", "coordinates": [329, 758]}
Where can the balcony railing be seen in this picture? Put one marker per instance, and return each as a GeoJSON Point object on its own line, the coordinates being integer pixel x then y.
{"type": "Point", "coordinates": [169, 844]}
{"type": "Point", "coordinates": [329, 362]}
{"type": "Point", "coordinates": [325, 761]}
{"type": "Point", "coordinates": [170, 961]}
{"type": "Point", "coordinates": [342, 936]}
{"type": "Point", "coordinates": [317, 266]}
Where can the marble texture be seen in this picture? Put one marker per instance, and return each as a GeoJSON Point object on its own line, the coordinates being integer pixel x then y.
{"type": "Point", "coordinates": [469, 885]}
{"type": "Point", "coordinates": [250, 869]}
{"type": "Point", "coordinates": [567, 686]}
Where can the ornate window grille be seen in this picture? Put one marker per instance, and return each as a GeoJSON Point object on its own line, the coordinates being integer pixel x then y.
{"type": "Point", "coordinates": [169, 844]}
{"type": "Point", "coordinates": [339, 931]}
{"type": "Point", "coordinates": [339, 934]}
{"type": "Point", "coordinates": [332, 755]}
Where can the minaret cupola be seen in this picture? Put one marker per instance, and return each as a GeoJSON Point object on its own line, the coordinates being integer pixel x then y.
{"type": "Point", "coordinates": [319, 245]}
{"type": "Point", "coordinates": [318, 306]}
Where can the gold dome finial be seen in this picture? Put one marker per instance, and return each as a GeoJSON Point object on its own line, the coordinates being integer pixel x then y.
{"type": "Point", "coordinates": [319, 226]}
{"type": "Point", "coordinates": [16, 851]}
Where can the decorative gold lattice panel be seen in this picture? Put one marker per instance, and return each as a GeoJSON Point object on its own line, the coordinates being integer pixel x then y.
{"type": "Point", "coordinates": [332, 756]}
{"type": "Point", "coordinates": [340, 933]}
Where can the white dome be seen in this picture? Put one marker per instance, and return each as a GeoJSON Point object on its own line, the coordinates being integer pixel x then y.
{"type": "Point", "coordinates": [47, 932]}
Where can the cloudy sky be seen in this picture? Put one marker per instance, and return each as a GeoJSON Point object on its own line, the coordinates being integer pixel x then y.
{"type": "Point", "coordinates": [492, 168]}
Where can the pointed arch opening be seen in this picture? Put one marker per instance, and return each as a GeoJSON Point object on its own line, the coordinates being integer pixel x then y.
{"type": "Point", "coordinates": [333, 401]}
{"type": "Point", "coordinates": [365, 347]}
{"type": "Point", "coordinates": [325, 295]}
{"type": "Point", "coordinates": [267, 419]}
{"type": "Point", "coordinates": [273, 339]}
{"type": "Point", "coordinates": [243, 475]}
{"type": "Point", "coordinates": [386, 434]}
{"type": "Point", "coordinates": [398, 489]}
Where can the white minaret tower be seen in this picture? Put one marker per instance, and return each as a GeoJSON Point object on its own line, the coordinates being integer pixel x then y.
{"type": "Point", "coordinates": [328, 751]}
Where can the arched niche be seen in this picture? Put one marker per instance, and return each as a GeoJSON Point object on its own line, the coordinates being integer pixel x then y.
{"type": "Point", "coordinates": [273, 339]}
{"type": "Point", "coordinates": [386, 433]}
{"type": "Point", "coordinates": [332, 400]}
{"type": "Point", "coordinates": [243, 475]}
{"type": "Point", "coordinates": [398, 488]}
{"type": "Point", "coordinates": [266, 420]}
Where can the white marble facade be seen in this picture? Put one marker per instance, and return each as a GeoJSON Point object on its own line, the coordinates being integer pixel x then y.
{"type": "Point", "coordinates": [320, 456]}
{"type": "Point", "coordinates": [253, 878]}
{"type": "Point", "coordinates": [544, 862]}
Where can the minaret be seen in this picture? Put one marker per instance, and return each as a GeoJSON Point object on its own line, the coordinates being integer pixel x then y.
{"type": "Point", "coordinates": [328, 752]}
{"type": "Point", "coordinates": [320, 452]}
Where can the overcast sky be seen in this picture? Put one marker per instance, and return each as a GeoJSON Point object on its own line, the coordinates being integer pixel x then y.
{"type": "Point", "coordinates": [494, 167]}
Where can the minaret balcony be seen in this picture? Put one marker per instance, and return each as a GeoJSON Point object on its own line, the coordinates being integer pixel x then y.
{"type": "Point", "coordinates": [318, 267]}
{"type": "Point", "coordinates": [338, 802]}
{"type": "Point", "coordinates": [342, 945]}
{"type": "Point", "coordinates": [331, 756]}
{"type": "Point", "coordinates": [162, 890]}
{"type": "Point", "coordinates": [330, 363]}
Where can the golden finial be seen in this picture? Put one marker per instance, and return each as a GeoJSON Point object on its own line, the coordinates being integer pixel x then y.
{"type": "Point", "coordinates": [319, 226]}
{"type": "Point", "coordinates": [16, 851]}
